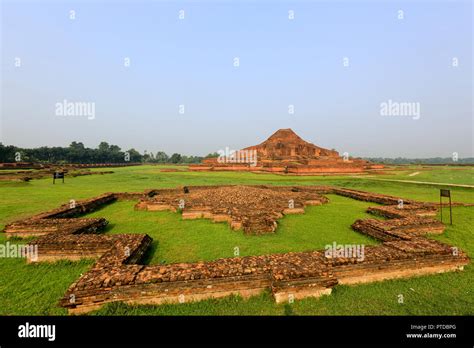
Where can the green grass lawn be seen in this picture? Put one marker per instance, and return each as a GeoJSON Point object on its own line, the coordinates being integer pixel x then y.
{"type": "Point", "coordinates": [35, 289]}
{"type": "Point", "coordinates": [463, 175]}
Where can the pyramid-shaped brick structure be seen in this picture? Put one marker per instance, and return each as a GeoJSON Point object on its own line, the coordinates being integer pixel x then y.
{"type": "Point", "coordinates": [286, 144]}
{"type": "Point", "coordinates": [287, 153]}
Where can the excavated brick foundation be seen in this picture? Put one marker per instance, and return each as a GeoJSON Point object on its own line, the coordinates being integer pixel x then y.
{"type": "Point", "coordinates": [118, 276]}
{"type": "Point", "coordinates": [40, 173]}
{"type": "Point", "coordinates": [255, 209]}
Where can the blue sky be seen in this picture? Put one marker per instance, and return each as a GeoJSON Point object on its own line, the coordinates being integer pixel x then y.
{"type": "Point", "coordinates": [282, 62]}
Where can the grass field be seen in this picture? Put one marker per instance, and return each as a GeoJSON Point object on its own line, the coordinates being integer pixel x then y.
{"type": "Point", "coordinates": [36, 289]}
{"type": "Point", "coordinates": [460, 175]}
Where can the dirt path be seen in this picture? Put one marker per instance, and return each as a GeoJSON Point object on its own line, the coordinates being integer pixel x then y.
{"type": "Point", "coordinates": [413, 174]}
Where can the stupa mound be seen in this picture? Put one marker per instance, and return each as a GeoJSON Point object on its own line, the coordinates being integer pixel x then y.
{"type": "Point", "coordinates": [286, 152]}
{"type": "Point", "coordinates": [285, 144]}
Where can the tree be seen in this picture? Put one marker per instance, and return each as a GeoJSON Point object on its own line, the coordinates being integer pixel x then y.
{"type": "Point", "coordinates": [7, 153]}
{"type": "Point", "coordinates": [161, 157]}
{"type": "Point", "coordinates": [134, 156]}
{"type": "Point", "coordinates": [212, 155]}
{"type": "Point", "coordinates": [76, 153]}
{"type": "Point", "coordinates": [104, 146]}
{"type": "Point", "coordinates": [175, 158]}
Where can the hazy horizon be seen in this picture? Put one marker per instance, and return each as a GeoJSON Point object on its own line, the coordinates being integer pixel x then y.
{"type": "Point", "coordinates": [334, 63]}
{"type": "Point", "coordinates": [203, 155]}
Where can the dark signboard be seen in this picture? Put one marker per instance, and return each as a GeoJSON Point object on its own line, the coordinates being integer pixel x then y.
{"type": "Point", "coordinates": [445, 193]}
{"type": "Point", "coordinates": [58, 175]}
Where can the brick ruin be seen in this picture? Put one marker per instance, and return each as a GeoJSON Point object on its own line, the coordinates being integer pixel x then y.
{"type": "Point", "coordinates": [41, 173]}
{"type": "Point", "coordinates": [255, 209]}
{"type": "Point", "coordinates": [36, 165]}
{"type": "Point", "coordinates": [285, 152]}
{"type": "Point", "coordinates": [117, 274]}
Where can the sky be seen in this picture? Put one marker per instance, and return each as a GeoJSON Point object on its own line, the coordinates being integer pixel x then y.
{"type": "Point", "coordinates": [323, 68]}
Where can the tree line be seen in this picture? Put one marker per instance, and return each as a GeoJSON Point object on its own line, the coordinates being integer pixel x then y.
{"type": "Point", "coordinates": [76, 152]}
